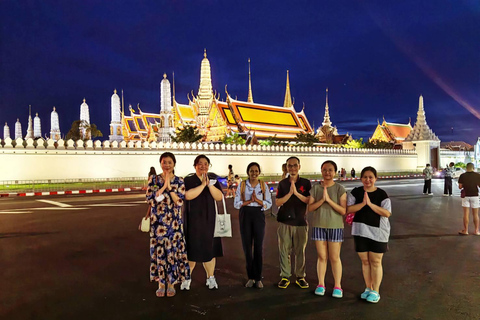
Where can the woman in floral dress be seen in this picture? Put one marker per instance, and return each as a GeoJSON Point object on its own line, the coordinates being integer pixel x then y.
{"type": "Point", "coordinates": [168, 256]}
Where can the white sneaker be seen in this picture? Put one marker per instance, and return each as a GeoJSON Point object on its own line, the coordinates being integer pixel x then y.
{"type": "Point", "coordinates": [185, 284]}
{"type": "Point", "coordinates": [212, 283]}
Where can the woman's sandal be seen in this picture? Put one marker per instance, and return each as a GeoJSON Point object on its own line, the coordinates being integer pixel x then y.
{"type": "Point", "coordinates": [171, 291]}
{"type": "Point", "coordinates": [160, 291]}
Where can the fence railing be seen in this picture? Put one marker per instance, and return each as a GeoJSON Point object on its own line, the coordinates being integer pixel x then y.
{"type": "Point", "coordinates": [8, 186]}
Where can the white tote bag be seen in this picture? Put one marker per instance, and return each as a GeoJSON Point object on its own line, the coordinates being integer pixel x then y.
{"type": "Point", "coordinates": [223, 222]}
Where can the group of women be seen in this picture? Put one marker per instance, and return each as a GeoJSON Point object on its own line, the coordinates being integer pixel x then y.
{"type": "Point", "coordinates": [174, 233]}
{"type": "Point", "coordinates": [371, 207]}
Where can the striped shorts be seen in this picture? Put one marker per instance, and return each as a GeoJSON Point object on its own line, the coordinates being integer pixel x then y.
{"type": "Point", "coordinates": [330, 235]}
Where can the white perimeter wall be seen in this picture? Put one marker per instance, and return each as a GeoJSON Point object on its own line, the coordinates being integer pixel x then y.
{"type": "Point", "coordinates": [134, 160]}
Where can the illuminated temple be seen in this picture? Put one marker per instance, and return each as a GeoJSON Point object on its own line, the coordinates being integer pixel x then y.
{"type": "Point", "coordinates": [214, 118]}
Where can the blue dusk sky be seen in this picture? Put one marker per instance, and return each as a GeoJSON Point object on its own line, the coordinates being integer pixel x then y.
{"type": "Point", "coordinates": [375, 57]}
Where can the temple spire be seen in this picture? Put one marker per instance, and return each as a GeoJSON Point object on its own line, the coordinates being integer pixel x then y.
{"type": "Point", "coordinates": [287, 103]}
{"type": "Point", "coordinates": [250, 95]}
{"type": "Point", "coordinates": [326, 117]}
{"type": "Point", "coordinates": [30, 124]}
{"type": "Point", "coordinates": [173, 85]}
{"type": "Point", "coordinates": [421, 131]}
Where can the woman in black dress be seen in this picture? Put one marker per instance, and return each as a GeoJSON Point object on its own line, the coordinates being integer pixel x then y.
{"type": "Point", "coordinates": [199, 222]}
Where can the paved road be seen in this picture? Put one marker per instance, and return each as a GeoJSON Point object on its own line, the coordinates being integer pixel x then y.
{"type": "Point", "coordinates": [81, 257]}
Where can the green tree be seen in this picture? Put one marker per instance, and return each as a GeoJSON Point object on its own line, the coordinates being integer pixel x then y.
{"type": "Point", "coordinates": [306, 139]}
{"type": "Point", "coordinates": [233, 139]}
{"type": "Point", "coordinates": [271, 141]}
{"type": "Point", "coordinates": [91, 131]}
{"type": "Point", "coordinates": [187, 134]}
{"type": "Point", "coordinates": [376, 144]}
{"type": "Point", "coordinates": [355, 144]}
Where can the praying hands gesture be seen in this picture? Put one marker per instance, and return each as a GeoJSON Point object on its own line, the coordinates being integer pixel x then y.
{"type": "Point", "coordinates": [367, 202]}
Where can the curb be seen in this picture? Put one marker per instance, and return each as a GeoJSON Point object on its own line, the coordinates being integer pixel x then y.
{"type": "Point", "coordinates": [67, 192]}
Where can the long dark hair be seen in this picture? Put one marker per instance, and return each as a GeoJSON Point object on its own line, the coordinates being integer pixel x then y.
{"type": "Point", "coordinates": [152, 172]}
{"type": "Point", "coordinates": [168, 155]}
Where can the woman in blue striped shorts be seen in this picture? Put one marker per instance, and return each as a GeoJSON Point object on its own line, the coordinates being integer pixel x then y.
{"type": "Point", "coordinates": [328, 202]}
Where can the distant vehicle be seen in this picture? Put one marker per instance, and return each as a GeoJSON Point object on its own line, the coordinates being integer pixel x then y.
{"type": "Point", "coordinates": [458, 172]}
{"type": "Point", "coordinates": [440, 174]}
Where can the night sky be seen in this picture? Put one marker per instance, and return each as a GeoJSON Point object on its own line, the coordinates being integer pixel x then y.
{"type": "Point", "coordinates": [375, 57]}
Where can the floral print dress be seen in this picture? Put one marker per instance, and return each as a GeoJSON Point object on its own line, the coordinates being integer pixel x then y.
{"type": "Point", "coordinates": [168, 255]}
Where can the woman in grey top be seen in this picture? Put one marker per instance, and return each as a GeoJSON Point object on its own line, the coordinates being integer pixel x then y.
{"type": "Point", "coordinates": [328, 201]}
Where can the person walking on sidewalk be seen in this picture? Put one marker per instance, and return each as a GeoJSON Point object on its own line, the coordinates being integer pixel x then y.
{"type": "Point", "coordinates": [253, 198]}
{"type": "Point", "coordinates": [447, 187]}
{"type": "Point", "coordinates": [427, 175]}
{"type": "Point", "coordinates": [469, 182]}
{"type": "Point", "coordinates": [328, 202]}
{"type": "Point", "coordinates": [292, 197]}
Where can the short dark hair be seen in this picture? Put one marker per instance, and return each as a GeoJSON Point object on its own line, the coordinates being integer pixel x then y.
{"type": "Point", "coordinates": [331, 162]}
{"type": "Point", "coordinates": [197, 159]}
{"type": "Point", "coordinates": [428, 164]}
{"type": "Point", "coordinates": [371, 169]}
{"type": "Point", "coordinates": [230, 166]}
{"type": "Point", "coordinates": [251, 164]}
{"type": "Point", "coordinates": [452, 164]}
{"type": "Point", "coordinates": [293, 157]}
{"type": "Point", "coordinates": [168, 155]}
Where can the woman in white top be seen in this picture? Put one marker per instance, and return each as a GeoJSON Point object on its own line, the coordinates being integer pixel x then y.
{"type": "Point", "coordinates": [253, 198]}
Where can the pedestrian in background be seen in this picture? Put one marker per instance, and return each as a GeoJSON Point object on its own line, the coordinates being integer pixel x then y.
{"type": "Point", "coordinates": [469, 182]}
{"type": "Point", "coordinates": [284, 171]}
{"type": "Point", "coordinates": [253, 198]}
{"type": "Point", "coordinates": [168, 257]}
{"type": "Point", "coordinates": [292, 198]}
{"type": "Point", "coordinates": [352, 173]}
{"type": "Point", "coordinates": [370, 230]}
{"type": "Point", "coordinates": [427, 175]}
{"type": "Point", "coordinates": [230, 181]}
{"type": "Point", "coordinates": [328, 204]}
{"type": "Point", "coordinates": [200, 215]}
{"type": "Point", "coordinates": [447, 186]}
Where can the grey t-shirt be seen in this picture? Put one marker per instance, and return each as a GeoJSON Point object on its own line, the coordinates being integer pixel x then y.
{"type": "Point", "coordinates": [325, 216]}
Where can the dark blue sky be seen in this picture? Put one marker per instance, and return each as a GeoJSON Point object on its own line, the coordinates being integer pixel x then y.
{"type": "Point", "coordinates": [376, 58]}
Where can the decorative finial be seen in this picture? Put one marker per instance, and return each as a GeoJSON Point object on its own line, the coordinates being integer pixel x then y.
{"type": "Point", "coordinates": [83, 100]}
{"type": "Point", "coordinates": [205, 52]}
{"type": "Point", "coordinates": [115, 91]}
{"type": "Point", "coordinates": [164, 76]}
{"type": "Point", "coordinates": [36, 114]}
{"type": "Point", "coordinates": [30, 110]}
{"type": "Point", "coordinates": [53, 108]}
{"type": "Point", "coordinates": [250, 94]}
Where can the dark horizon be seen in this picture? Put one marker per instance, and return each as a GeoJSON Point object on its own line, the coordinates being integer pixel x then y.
{"type": "Point", "coordinates": [375, 62]}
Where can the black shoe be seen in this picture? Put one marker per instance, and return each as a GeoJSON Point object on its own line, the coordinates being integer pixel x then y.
{"type": "Point", "coordinates": [302, 283]}
{"type": "Point", "coordinates": [283, 284]}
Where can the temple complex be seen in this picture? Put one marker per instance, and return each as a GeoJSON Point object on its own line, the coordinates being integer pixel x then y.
{"type": "Point", "coordinates": [215, 118]}
{"type": "Point", "coordinates": [394, 133]}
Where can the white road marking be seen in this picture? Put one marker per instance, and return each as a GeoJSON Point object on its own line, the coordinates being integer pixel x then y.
{"type": "Point", "coordinates": [56, 203]}
{"type": "Point", "coordinates": [15, 212]}
{"type": "Point", "coordinates": [58, 208]}
{"type": "Point", "coordinates": [110, 205]}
